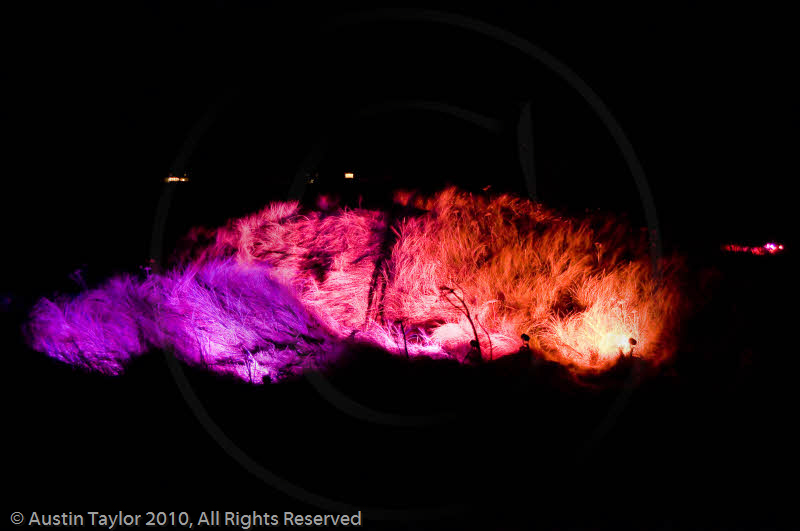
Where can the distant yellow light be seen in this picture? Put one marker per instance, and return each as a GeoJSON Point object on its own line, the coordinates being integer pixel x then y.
{"type": "Point", "coordinates": [348, 175]}
{"type": "Point", "coordinates": [172, 179]}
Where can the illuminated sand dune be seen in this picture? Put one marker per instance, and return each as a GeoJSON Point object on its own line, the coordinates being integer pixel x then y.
{"type": "Point", "coordinates": [450, 276]}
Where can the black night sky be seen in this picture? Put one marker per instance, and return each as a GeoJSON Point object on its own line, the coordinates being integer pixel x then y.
{"type": "Point", "coordinates": [102, 103]}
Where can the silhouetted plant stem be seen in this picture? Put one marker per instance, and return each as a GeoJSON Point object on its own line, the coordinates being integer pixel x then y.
{"type": "Point", "coordinates": [405, 343]}
{"type": "Point", "coordinates": [464, 309]}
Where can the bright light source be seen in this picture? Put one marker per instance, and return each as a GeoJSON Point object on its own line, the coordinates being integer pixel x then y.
{"type": "Point", "coordinates": [172, 179]}
{"type": "Point", "coordinates": [767, 248]}
{"type": "Point", "coordinates": [614, 342]}
{"type": "Point", "coordinates": [348, 175]}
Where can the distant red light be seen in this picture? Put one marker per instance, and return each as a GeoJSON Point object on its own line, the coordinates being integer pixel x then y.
{"type": "Point", "coordinates": [767, 248]}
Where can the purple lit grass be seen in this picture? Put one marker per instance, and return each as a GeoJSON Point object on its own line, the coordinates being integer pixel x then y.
{"type": "Point", "coordinates": [228, 317]}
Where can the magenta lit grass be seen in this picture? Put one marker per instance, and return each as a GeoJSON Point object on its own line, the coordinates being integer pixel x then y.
{"type": "Point", "coordinates": [283, 291]}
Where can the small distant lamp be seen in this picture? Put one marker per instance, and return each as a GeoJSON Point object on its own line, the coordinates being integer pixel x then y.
{"type": "Point", "coordinates": [172, 179]}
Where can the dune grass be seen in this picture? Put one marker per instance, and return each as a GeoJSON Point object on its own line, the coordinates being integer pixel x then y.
{"type": "Point", "coordinates": [272, 294]}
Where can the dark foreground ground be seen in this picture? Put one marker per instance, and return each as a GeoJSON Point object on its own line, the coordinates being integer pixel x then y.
{"type": "Point", "coordinates": [708, 440]}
